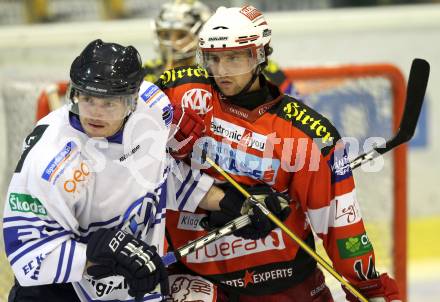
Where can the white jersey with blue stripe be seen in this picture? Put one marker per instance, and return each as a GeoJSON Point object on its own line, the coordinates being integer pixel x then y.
{"type": "Point", "coordinates": [68, 185]}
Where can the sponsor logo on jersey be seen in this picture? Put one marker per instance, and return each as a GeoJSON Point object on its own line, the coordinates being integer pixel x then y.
{"type": "Point", "coordinates": [191, 288]}
{"type": "Point", "coordinates": [190, 221]}
{"type": "Point", "coordinates": [317, 289]}
{"type": "Point", "coordinates": [104, 288]}
{"type": "Point", "coordinates": [253, 277]}
{"type": "Point", "coordinates": [156, 100]}
{"type": "Point", "coordinates": [238, 112]}
{"type": "Point", "coordinates": [55, 164]}
{"type": "Point", "coordinates": [34, 266]}
{"type": "Point", "coordinates": [152, 95]}
{"type": "Point", "coordinates": [231, 247]}
{"type": "Point", "coordinates": [30, 141]}
{"type": "Point", "coordinates": [238, 162]}
{"type": "Point", "coordinates": [354, 246]}
{"type": "Point", "coordinates": [311, 123]}
{"type": "Point", "coordinates": [143, 213]}
{"type": "Point", "coordinates": [198, 100]}
{"type": "Point", "coordinates": [26, 203]}
{"type": "Point", "coordinates": [238, 134]}
{"type": "Point", "coordinates": [79, 176]}
{"type": "Point", "coordinates": [343, 211]}
{"type": "Point", "coordinates": [339, 165]}
{"type": "Point", "coordinates": [126, 155]}
{"type": "Point", "coordinates": [347, 210]}
{"type": "Point", "coordinates": [149, 93]}
{"type": "Point", "coordinates": [190, 72]}
{"type": "Point", "coordinates": [167, 114]}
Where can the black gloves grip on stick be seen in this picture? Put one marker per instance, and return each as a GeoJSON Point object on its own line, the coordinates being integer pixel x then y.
{"type": "Point", "coordinates": [115, 252]}
{"type": "Point", "coordinates": [234, 204]}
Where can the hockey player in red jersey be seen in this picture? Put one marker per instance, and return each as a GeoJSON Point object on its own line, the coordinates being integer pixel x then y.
{"type": "Point", "coordinates": [279, 148]}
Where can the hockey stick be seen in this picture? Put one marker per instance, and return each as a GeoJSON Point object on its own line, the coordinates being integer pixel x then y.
{"type": "Point", "coordinates": [229, 228]}
{"type": "Point", "coordinates": [415, 92]}
{"type": "Point", "coordinates": [416, 88]}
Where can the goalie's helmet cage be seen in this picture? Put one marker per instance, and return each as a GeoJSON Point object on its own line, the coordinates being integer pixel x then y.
{"type": "Point", "coordinates": [177, 27]}
{"type": "Point", "coordinates": [234, 30]}
{"type": "Point", "coordinates": [108, 71]}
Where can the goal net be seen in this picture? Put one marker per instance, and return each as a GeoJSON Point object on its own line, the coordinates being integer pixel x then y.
{"type": "Point", "coordinates": [362, 101]}
{"type": "Point", "coordinates": [365, 102]}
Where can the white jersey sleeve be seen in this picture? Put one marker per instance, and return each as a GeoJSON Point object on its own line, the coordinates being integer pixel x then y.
{"type": "Point", "coordinates": [39, 216]}
{"type": "Point", "coordinates": [187, 187]}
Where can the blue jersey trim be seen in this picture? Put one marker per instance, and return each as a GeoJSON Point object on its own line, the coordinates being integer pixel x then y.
{"type": "Point", "coordinates": [60, 262]}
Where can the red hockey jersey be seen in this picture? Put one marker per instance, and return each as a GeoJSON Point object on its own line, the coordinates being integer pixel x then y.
{"type": "Point", "coordinates": [291, 147]}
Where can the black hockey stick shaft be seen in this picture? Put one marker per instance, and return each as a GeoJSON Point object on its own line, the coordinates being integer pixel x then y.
{"type": "Point", "coordinates": [415, 93]}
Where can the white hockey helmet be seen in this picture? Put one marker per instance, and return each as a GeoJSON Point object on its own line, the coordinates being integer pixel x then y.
{"type": "Point", "coordinates": [177, 27]}
{"type": "Point", "coordinates": [236, 30]}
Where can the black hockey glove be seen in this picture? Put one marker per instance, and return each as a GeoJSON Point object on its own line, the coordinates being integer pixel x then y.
{"type": "Point", "coordinates": [234, 204]}
{"type": "Point", "coordinates": [115, 252]}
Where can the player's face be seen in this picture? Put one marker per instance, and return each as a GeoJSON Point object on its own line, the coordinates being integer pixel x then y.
{"type": "Point", "coordinates": [174, 37]}
{"type": "Point", "coordinates": [174, 44]}
{"type": "Point", "coordinates": [101, 117]}
{"type": "Point", "coordinates": [232, 70]}
{"type": "Point", "coordinates": [232, 85]}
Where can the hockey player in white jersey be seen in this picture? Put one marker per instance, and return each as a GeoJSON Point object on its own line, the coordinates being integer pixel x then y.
{"type": "Point", "coordinates": [84, 218]}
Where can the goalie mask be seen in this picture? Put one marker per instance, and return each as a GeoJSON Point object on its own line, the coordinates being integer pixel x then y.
{"type": "Point", "coordinates": [105, 80]}
{"type": "Point", "coordinates": [177, 27]}
{"type": "Point", "coordinates": [234, 41]}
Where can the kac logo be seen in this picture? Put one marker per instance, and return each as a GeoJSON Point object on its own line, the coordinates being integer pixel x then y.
{"type": "Point", "coordinates": [198, 100]}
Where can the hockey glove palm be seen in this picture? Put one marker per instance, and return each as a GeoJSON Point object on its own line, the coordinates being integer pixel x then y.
{"type": "Point", "coordinates": [115, 252]}
{"type": "Point", "coordinates": [188, 127]}
{"type": "Point", "coordinates": [382, 289]}
{"type": "Point", "coordinates": [234, 204]}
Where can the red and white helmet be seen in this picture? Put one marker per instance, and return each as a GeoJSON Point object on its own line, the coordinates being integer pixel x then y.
{"type": "Point", "coordinates": [234, 29]}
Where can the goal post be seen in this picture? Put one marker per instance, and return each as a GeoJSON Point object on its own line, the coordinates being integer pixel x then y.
{"type": "Point", "coordinates": [330, 84]}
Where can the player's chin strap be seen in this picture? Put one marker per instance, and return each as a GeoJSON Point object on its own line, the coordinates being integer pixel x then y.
{"type": "Point", "coordinates": [245, 89]}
